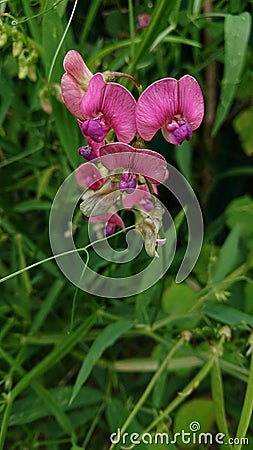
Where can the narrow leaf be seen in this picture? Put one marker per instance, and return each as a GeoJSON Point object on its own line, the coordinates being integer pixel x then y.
{"type": "Point", "coordinates": [237, 32]}
{"type": "Point", "coordinates": [105, 339]}
{"type": "Point", "coordinates": [47, 305]}
{"type": "Point", "coordinates": [68, 132]}
{"type": "Point", "coordinates": [228, 315]}
{"type": "Point", "coordinates": [160, 11]}
{"type": "Point", "coordinates": [228, 255]}
{"type": "Point", "coordinates": [44, 180]}
{"type": "Point", "coordinates": [52, 31]}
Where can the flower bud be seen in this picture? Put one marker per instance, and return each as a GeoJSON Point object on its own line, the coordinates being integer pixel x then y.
{"type": "Point", "coordinates": [17, 43]}
{"type": "Point", "coordinates": [22, 66]}
{"type": "Point", "coordinates": [3, 37]}
{"type": "Point", "coordinates": [44, 100]}
{"type": "Point", "coordinates": [32, 75]}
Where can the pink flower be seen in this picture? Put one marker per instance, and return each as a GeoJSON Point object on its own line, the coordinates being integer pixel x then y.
{"type": "Point", "coordinates": [110, 220]}
{"type": "Point", "coordinates": [175, 106]}
{"type": "Point", "coordinates": [75, 81]}
{"type": "Point", "coordinates": [143, 20]}
{"type": "Point", "coordinates": [145, 162]}
{"type": "Point", "coordinates": [140, 197]}
{"type": "Point", "coordinates": [98, 106]}
{"type": "Point", "coordinates": [88, 175]}
{"type": "Point", "coordinates": [107, 106]}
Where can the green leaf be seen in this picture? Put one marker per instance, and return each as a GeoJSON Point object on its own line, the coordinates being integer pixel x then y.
{"type": "Point", "coordinates": [47, 305]}
{"type": "Point", "coordinates": [160, 12]}
{"type": "Point", "coordinates": [51, 359]}
{"type": "Point", "coordinates": [237, 32]}
{"type": "Point", "coordinates": [33, 205]}
{"type": "Point", "coordinates": [198, 411]}
{"type": "Point", "coordinates": [87, 25]}
{"type": "Point", "coordinates": [171, 299]}
{"type": "Point", "coordinates": [240, 211]}
{"type": "Point", "coordinates": [104, 340]}
{"type": "Point", "coordinates": [44, 179]}
{"type": "Point", "coordinates": [183, 156]}
{"type": "Point", "coordinates": [243, 126]}
{"type": "Point", "coordinates": [52, 31]}
{"type": "Point", "coordinates": [228, 315]}
{"type": "Point", "coordinates": [32, 24]}
{"type": "Point", "coordinates": [68, 132]}
{"type": "Point", "coordinates": [32, 408]}
{"type": "Point", "coordinates": [248, 295]}
{"type": "Point", "coordinates": [228, 256]}
{"type": "Point", "coordinates": [61, 7]}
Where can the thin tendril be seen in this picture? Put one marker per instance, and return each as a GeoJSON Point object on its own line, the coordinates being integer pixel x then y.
{"type": "Point", "coordinates": [76, 291]}
{"type": "Point", "coordinates": [61, 41]}
{"type": "Point", "coordinates": [69, 252]}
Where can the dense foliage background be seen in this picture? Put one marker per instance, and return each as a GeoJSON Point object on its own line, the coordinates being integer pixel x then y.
{"type": "Point", "coordinates": [176, 353]}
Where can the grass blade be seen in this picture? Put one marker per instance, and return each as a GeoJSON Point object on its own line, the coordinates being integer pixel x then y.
{"type": "Point", "coordinates": [237, 32]}
{"type": "Point", "coordinates": [105, 339]}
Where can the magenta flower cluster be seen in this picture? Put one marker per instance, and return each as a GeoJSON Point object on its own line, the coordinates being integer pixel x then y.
{"type": "Point", "coordinates": [110, 119]}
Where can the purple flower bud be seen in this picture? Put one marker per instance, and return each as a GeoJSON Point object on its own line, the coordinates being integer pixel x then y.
{"type": "Point", "coordinates": [147, 204]}
{"type": "Point", "coordinates": [87, 152]}
{"type": "Point", "coordinates": [182, 133]}
{"type": "Point", "coordinates": [110, 229]}
{"type": "Point", "coordinates": [96, 129]}
{"type": "Point", "coordinates": [128, 182]}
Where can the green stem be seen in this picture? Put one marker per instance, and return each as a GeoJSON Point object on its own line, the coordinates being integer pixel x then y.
{"type": "Point", "coordinates": [150, 386]}
{"type": "Point", "coordinates": [218, 399]}
{"type": "Point", "coordinates": [131, 26]}
{"type": "Point", "coordinates": [189, 388]}
{"type": "Point", "coordinates": [50, 360]}
{"type": "Point", "coordinates": [246, 410]}
{"type": "Point", "coordinates": [176, 13]}
{"type": "Point", "coordinates": [89, 19]}
{"type": "Point", "coordinates": [160, 10]}
{"type": "Point", "coordinates": [112, 76]}
{"type": "Point", "coordinates": [9, 400]}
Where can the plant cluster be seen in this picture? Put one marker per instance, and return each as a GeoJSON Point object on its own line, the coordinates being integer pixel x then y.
{"type": "Point", "coordinates": [78, 370]}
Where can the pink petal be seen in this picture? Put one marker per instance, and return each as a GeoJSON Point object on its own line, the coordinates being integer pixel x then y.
{"type": "Point", "coordinates": [91, 104]}
{"type": "Point", "coordinates": [133, 199]}
{"type": "Point", "coordinates": [139, 161]}
{"type": "Point", "coordinates": [114, 219]}
{"type": "Point", "coordinates": [88, 171]}
{"type": "Point", "coordinates": [119, 111]}
{"type": "Point", "coordinates": [94, 145]}
{"type": "Point", "coordinates": [72, 94]}
{"type": "Point", "coordinates": [190, 101]}
{"type": "Point", "coordinates": [74, 65]}
{"type": "Point", "coordinates": [169, 136]}
{"type": "Point", "coordinates": [157, 105]}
